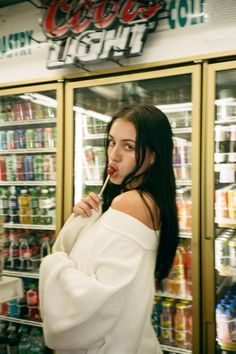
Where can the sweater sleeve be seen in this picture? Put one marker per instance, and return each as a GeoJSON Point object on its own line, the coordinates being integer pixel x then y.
{"type": "Point", "coordinates": [78, 310]}
{"type": "Point", "coordinates": [70, 231]}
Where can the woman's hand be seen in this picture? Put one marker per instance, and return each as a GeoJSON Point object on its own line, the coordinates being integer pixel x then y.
{"type": "Point", "coordinates": [85, 206]}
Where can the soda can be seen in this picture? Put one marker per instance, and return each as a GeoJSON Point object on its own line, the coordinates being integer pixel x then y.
{"type": "Point", "coordinates": [17, 111]}
{"type": "Point", "coordinates": [3, 140]}
{"type": "Point", "coordinates": [11, 168]}
{"type": "Point", "coordinates": [48, 138]}
{"type": "Point", "coordinates": [2, 169]}
{"type": "Point", "coordinates": [11, 140]}
{"type": "Point", "coordinates": [27, 110]}
{"type": "Point", "coordinates": [20, 173]}
{"type": "Point", "coordinates": [221, 203]}
{"type": "Point", "coordinates": [38, 167]}
{"type": "Point", "coordinates": [232, 252]}
{"type": "Point", "coordinates": [20, 139]}
{"type": "Point", "coordinates": [29, 168]}
{"type": "Point", "coordinates": [29, 139]}
{"type": "Point", "coordinates": [49, 167]}
{"type": "Point", "coordinates": [38, 138]}
{"type": "Point", "coordinates": [232, 203]}
{"type": "Point", "coordinates": [221, 251]}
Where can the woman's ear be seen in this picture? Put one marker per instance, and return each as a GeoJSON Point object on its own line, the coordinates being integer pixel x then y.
{"type": "Point", "coordinates": [153, 158]}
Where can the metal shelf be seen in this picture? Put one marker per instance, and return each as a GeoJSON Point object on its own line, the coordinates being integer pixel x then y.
{"type": "Point", "coordinates": [28, 122]}
{"type": "Point", "coordinates": [16, 273]}
{"type": "Point", "coordinates": [185, 234]}
{"type": "Point", "coordinates": [28, 151]}
{"type": "Point", "coordinates": [187, 130]}
{"type": "Point", "coordinates": [175, 350]}
{"type": "Point", "coordinates": [228, 120]}
{"type": "Point", "coordinates": [29, 226]}
{"type": "Point", "coordinates": [183, 182]}
{"type": "Point", "coordinates": [28, 183]}
{"type": "Point", "coordinates": [227, 345]}
{"type": "Point", "coordinates": [225, 222]}
{"type": "Point", "coordinates": [170, 295]}
{"type": "Point", "coordinates": [21, 321]}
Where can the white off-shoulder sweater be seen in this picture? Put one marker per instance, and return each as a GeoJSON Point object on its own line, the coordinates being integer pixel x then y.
{"type": "Point", "coordinates": [96, 291]}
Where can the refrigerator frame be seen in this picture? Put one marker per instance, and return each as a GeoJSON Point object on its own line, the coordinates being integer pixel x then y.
{"type": "Point", "coordinates": [207, 205]}
{"type": "Point", "coordinates": [195, 71]}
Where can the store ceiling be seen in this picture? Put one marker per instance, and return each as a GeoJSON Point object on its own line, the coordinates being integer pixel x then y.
{"type": "Point", "coordinates": [4, 3]}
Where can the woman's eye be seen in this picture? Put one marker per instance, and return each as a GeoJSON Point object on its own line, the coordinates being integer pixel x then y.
{"type": "Point", "coordinates": [111, 143]}
{"type": "Point", "coordinates": [129, 147]}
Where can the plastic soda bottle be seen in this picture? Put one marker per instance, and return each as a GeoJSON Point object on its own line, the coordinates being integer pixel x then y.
{"type": "Point", "coordinates": [24, 207]}
{"type": "Point", "coordinates": [32, 299]}
{"type": "Point", "coordinates": [166, 323]}
{"type": "Point", "coordinates": [13, 251]}
{"type": "Point", "coordinates": [44, 205]}
{"type": "Point", "coordinates": [37, 342]}
{"type": "Point", "coordinates": [5, 250]}
{"type": "Point", "coordinates": [3, 337]}
{"type": "Point", "coordinates": [45, 247]}
{"type": "Point", "coordinates": [25, 341]}
{"type": "Point", "coordinates": [12, 339]}
{"type": "Point", "coordinates": [4, 205]}
{"type": "Point", "coordinates": [34, 205]}
{"type": "Point", "coordinates": [25, 254]}
{"type": "Point", "coordinates": [13, 205]}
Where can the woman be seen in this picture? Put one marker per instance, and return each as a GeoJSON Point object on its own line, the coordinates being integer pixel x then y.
{"type": "Point", "coordinates": [96, 290]}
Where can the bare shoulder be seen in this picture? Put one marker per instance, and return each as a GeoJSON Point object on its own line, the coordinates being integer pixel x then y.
{"type": "Point", "coordinates": [132, 204]}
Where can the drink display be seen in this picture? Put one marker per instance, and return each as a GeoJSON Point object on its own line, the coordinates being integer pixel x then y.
{"type": "Point", "coordinates": [172, 321]}
{"type": "Point", "coordinates": [28, 205]}
{"type": "Point", "coordinates": [225, 213]}
{"type": "Point", "coordinates": [92, 110]}
{"type": "Point", "coordinates": [21, 339]}
{"type": "Point", "coordinates": [179, 280]}
{"type": "Point", "coordinates": [28, 166]}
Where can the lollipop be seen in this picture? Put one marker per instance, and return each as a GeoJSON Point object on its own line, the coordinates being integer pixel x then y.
{"type": "Point", "coordinates": [110, 171]}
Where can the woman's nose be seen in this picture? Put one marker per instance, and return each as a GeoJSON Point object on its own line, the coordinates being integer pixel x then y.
{"type": "Point", "coordinates": [115, 154]}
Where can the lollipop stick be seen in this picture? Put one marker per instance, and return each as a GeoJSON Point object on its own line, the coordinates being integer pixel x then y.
{"type": "Point", "coordinates": [104, 186]}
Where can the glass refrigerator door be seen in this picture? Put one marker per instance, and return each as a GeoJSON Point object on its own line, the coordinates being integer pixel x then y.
{"type": "Point", "coordinates": [219, 211]}
{"type": "Point", "coordinates": [30, 188]}
{"type": "Point", "coordinates": [93, 105]}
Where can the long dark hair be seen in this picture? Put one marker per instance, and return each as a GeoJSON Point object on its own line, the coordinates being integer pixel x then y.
{"type": "Point", "coordinates": [154, 133]}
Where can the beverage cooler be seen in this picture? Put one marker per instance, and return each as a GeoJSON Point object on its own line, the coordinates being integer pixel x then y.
{"type": "Point", "coordinates": [219, 210]}
{"type": "Point", "coordinates": [31, 154]}
{"type": "Point", "coordinates": [89, 106]}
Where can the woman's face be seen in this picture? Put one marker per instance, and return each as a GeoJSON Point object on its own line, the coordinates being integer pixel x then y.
{"type": "Point", "coordinates": [121, 150]}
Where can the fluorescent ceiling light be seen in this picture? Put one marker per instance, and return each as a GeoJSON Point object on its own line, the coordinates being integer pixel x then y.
{"type": "Point", "coordinates": [40, 99]}
{"type": "Point", "coordinates": [96, 115]}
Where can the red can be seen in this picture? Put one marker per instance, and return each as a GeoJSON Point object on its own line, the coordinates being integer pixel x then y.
{"type": "Point", "coordinates": [2, 169]}
{"type": "Point", "coordinates": [20, 172]}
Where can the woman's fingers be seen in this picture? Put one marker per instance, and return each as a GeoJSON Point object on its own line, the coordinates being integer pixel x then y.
{"type": "Point", "coordinates": [87, 204]}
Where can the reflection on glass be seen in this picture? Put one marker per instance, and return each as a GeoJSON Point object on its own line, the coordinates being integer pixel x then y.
{"type": "Point", "coordinates": [225, 208]}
